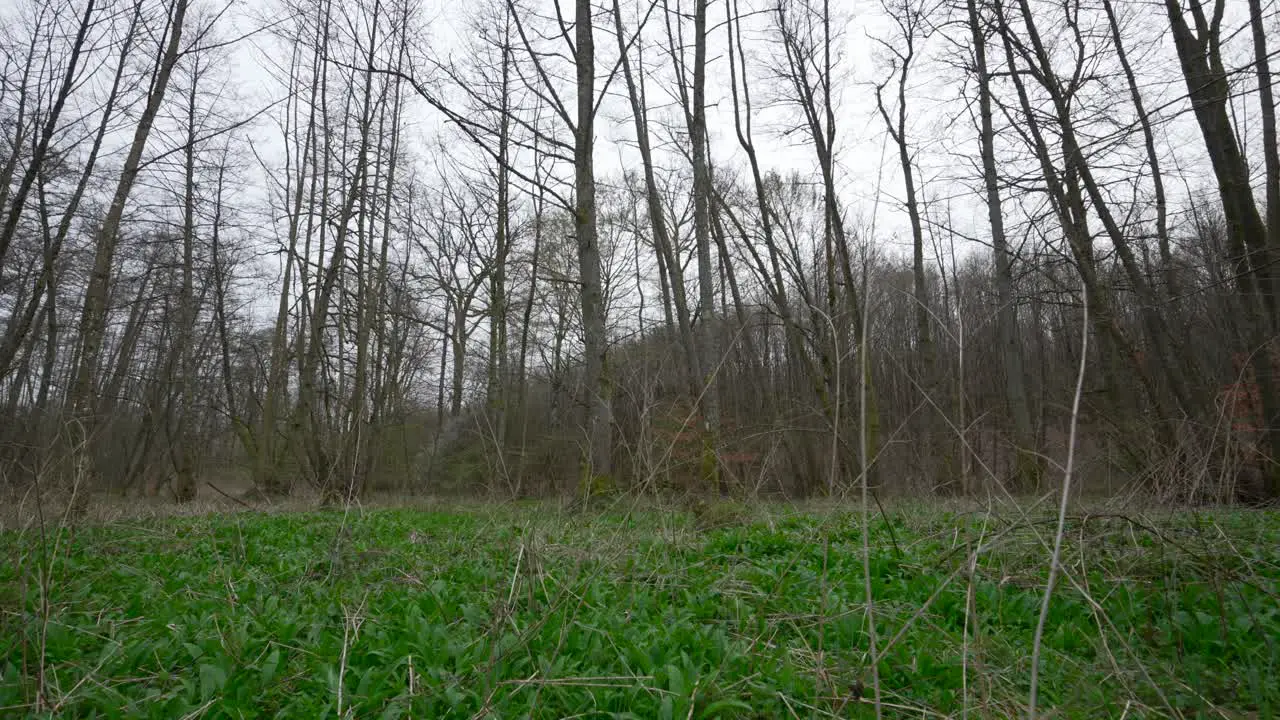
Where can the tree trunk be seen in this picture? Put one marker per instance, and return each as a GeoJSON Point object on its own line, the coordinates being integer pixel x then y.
{"type": "Point", "coordinates": [1248, 241]}
{"type": "Point", "coordinates": [20, 324]}
{"type": "Point", "coordinates": [708, 350]}
{"type": "Point", "coordinates": [93, 318]}
{"type": "Point", "coordinates": [180, 447]}
{"type": "Point", "coordinates": [1029, 463]}
{"type": "Point", "coordinates": [668, 264]}
{"type": "Point", "coordinates": [596, 383]}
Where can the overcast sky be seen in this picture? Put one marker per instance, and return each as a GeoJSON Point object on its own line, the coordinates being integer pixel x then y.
{"type": "Point", "coordinates": [940, 126]}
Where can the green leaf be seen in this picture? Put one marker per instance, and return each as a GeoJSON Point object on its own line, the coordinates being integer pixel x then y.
{"type": "Point", "coordinates": [666, 711]}
{"type": "Point", "coordinates": [720, 706]}
{"type": "Point", "coordinates": [270, 665]}
{"type": "Point", "coordinates": [212, 680]}
{"type": "Point", "coordinates": [367, 680]}
{"type": "Point", "coordinates": [675, 680]}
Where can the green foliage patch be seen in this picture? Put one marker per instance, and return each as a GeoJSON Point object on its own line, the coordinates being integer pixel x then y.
{"type": "Point", "coordinates": [525, 612]}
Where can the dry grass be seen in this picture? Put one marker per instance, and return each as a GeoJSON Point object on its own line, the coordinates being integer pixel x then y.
{"type": "Point", "coordinates": [20, 511]}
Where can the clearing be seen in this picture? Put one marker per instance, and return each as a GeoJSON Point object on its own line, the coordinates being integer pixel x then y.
{"type": "Point", "coordinates": [528, 611]}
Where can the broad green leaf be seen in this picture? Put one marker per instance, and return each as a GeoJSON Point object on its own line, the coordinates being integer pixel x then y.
{"type": "Point", "coordinates": [212, 679]}
{"type": "Point", "coordinates": [269, 666]}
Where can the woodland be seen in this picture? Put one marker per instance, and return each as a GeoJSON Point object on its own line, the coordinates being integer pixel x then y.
{"type": "Point", "coordinates": [527, 249]}
{"type": "Point", "coordinates": [639, 358]}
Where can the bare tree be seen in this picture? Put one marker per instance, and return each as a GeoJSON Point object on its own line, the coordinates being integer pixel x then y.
{"type": "Point", "coordinates": [1006, 311]}
{"type": "Point", "coordinates": [1199, 46]}
{"type": "Point", "coordinates": [911, 20]}
{"type": "Point", "coordinates": [671, 276]}
{"type": "Point", "coordinates": [93, 318]}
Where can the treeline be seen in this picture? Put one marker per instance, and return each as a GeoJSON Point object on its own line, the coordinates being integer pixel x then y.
{"type": "Point", "coordinates": [407, 261]}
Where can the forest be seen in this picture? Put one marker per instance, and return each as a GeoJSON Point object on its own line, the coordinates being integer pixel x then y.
{"type": "Point", "coordinates": [639, 358]}
{"type": "Point", "coordinates": [342, 247]}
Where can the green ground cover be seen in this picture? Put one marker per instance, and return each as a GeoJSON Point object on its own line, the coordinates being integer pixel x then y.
{"type": "Point", "coordinates": [524, 611]}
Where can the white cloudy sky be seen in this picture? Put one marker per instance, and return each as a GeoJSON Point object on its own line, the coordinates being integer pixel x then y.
{"type": "Point", "coordinates": [941, 129]}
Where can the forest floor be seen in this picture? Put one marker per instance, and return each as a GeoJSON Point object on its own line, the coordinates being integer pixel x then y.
{"type": "Point", "coordinates": [524, 610]}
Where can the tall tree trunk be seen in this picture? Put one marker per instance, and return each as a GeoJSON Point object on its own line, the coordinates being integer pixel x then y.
{"type": "Point", "coordinates": [816, 375]}
{"type": "Point", "coordinates": [668, 264]}
{"type": "Point", "coordinates": [357, 442]}
{"type": "Point", "coordinates": [931, 424]}
{"type": "Point", "coordinates": [1153, 158]}
{"type": "Point", "coordinates": [310, 397]}
{"type": "Point", "coordinates": [221, 283]}
{"type": "Point", "coordinates": [844, 312]}
{"type": "Point", "coordinates": [93, 318]}
{"type": "Point", "coordinates": [180, 446]}
{"type": "Point", "coordinates": [1067, 199]}
{"type": "Point", "coordinates": [1271, 161]}
{"type": "Point", "coordinates": [539, 203]}
{"type": "Point", "coordinates": [1029, 463]}
{"type": "Point", "coordinates": [596, 382]}
{"type": "Point", "coordinates": [1153, 322]}
{"type": "Point", "coordinates": [387, 352]}
{"type": "Point", "coordinates": [459, 343]}
{"type": "Point", "coordinates": [497, 381]}
{"type": "Point", "coordinates": [267, 476]}
{"type": "Point", "coordinates": [708, 349]}
{"type": "Point", "coordinates": [20, 323]}
{"type": "Point", "coordinates": [1252, 251]}
{"type": "Point", "coordinates": [1267, 112]}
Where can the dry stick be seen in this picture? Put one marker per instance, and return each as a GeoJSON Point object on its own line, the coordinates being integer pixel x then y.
{"type": "Point", "coordinates": [200, 710]}
{"type": "Point", "coordinates": [620, 548]}
{"type": "Point", "coordinates": [492, 435]}
{"type": "Point", "coordinates": [970, 609]}
{"type": "Point", "coordinates": [1100, 614]}
{"type": "Point", "coordinates": [820, 670]}
{"type": "Point", "coordinates": [350, 632]}
{"type": "Point", "coordinates": [863, 370]}
{"type": "Point", "coordinates": [970, 565]}
{"type": "Point", "coordinates": [79, 454]}
{"type": "Point", "coordinates": [560, 601]}
{"type": "Point", "coordinates": [985, 467]}
{"type": "Point", "coordinates": [1098, 610]}
{"type": "Point", "coordinates": [835, 417]}
{"type": "Point", "coordinates": [1062, 511]}
{"type": "Point", "coordinates": [66, 697]}
{"type": "Point", "coordinates": [224, 494]}
{"type": "Point", "coordinates": [821, 666]}
{"type": "Point", "coordinates": [42, 577]}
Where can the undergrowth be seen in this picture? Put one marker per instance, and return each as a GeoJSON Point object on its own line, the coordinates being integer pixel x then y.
{"type": "Point", "coordinates": [525, 612]}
